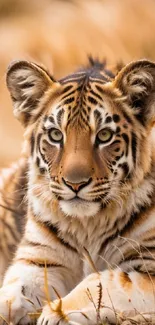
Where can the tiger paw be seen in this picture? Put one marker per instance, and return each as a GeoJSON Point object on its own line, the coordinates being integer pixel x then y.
{"type": "Point", "coordinates": [53, 315]}
{"type": "Point", "coordinates": [14, 306]}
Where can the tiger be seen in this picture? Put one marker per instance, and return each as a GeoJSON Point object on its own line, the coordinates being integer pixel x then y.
{"type": "Point", "coordinates": [86, 190]}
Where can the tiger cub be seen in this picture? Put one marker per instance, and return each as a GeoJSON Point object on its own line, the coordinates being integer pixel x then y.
{"type": "Point", "coordinates": [89, 157]}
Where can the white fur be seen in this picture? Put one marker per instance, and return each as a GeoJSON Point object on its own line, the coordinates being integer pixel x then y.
{"type": "Point", "coordinates": [80, 208]}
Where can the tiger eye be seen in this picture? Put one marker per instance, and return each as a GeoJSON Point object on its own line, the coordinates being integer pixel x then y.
{"type": "Point", "coordinates": [55, 135]}
{"type": "Point", "coordinates": [104, 135]}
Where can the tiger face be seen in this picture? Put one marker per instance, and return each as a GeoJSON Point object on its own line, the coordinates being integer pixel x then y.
{"type": "Point", "coordinates": [89, 133]}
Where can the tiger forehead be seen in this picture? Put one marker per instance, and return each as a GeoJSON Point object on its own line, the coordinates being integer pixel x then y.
{"type": "Point", "coordinates": [83, 83]}
{"type": "Point", "coordinates": [84, 110]}
{"type": "Point", "coordinates": [81, 94]}
{"type": "Point", "coordinates": [79, 99]}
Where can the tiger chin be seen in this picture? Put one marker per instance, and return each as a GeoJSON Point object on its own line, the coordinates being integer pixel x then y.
{"type": "Point", "coordinates": [85, 183]}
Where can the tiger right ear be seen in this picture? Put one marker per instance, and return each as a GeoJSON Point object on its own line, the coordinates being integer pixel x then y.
{"type": "Point", "coordinates": [28, 83]}
{"type": "Point", "coordinates": [136, 81]}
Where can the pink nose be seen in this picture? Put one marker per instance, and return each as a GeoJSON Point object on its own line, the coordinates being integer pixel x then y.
{"type": "Point", "coordinates": [77, 186]}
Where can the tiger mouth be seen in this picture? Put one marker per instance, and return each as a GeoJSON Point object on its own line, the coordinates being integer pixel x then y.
{"type": "Point", "coordinates": [74, 199]}
{"type": "Point", "coordinates": [79, 200]}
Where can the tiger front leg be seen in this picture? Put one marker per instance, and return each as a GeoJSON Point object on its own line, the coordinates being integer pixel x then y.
{"type": "Point", "coordinates": [23, 295]}
{"type": "Point", "coordinates": [74, 308]}
{"type": "Point", "coordinates": [107, 296]}
{"type": "Point", "coordinates": [23, 291]}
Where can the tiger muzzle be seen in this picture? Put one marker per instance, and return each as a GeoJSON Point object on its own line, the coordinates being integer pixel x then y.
{"type": "Point", "coordinates": [76, 187]}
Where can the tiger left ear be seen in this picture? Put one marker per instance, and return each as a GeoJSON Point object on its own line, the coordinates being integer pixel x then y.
{"type": "Point", "coordinates": [28, 84]}
{"type": "Point", "coordinates": [136, 81]}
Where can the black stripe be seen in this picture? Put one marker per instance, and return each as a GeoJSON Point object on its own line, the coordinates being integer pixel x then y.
{"type": "Point", "coordinates": [83, 118]}
{"type": "Point", "coordinates": [139, 259]}
{"type": "Point", "coordinates": [133, 217]}
{"type": "Point", "coordinates": [51, 119]}
{"type": "Point", "coordinates": [39, 149]}
{"type": "Point", "coordinates": [48, 265]}
{"type": "Point", "coordinates": [92, 100]}
{"type": "Point", "coordinates": [67, 88]}
{"type": "Point", "coordinates": [118, 129]}
{"type": "Point", "coordinates": [73, 78]}
{"type": "Point", "coordinates": [125, 168]}
{"type": "Point", "coordinates": [68, 100]}
{"type": "Point", "coordinates": [120, 156]}
{"type": "Point", "coordinates": [60, 116]}
{"type": "Point", "coordinates": [26, 118]}
{"type": "Point", "coordinates": [141, 269]}
{"type": "Point", "coordinates": [134, 147]}
{"type": "Point", "coordinates": [98, 117]}
{"type": "Point", "coordinates": [128, 265]}
{"type": "Point", "coordinates": [117, 150]}
{"type": "Point", "coordinates": [27, 242]}
{"type": "Point", "coordinates": [73, 116]}
{"type": "Point", "coordinates": [43, 265]}
{"type": "Point", "coordinates": [127, 117]}
{"type": "Point", "coordinates": [56, 231]}
{"type": "Point", "coordinates": [26, 85]}
{"type": "Point", "coordinates": [71, 92]}
{"type": "Point", "coordinates": [126, 139]}
{"type": "Point", "coordinates": [95, 94]}
{"type": "Point", "coordinates": [142, 252]}
{"type": "Point", "coordinates": [32, 143]}
{"type": "Point", "coordinates": [116, 141]}
{"type": "Point", "coordinates": [38, 139]}
{"type": "Point", "coordinates": [30, 103]}
{"type": "Point", "coordinates": [38, 162]}
{"type": "Point", "coordinates": [100, 89]}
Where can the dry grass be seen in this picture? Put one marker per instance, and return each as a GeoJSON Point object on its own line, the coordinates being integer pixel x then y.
{"type": "Point", "coordinates": [60, 34]}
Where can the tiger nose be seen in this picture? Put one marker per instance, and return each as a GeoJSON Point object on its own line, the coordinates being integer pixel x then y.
{"type": "Point", "coordinates": [76, 187]}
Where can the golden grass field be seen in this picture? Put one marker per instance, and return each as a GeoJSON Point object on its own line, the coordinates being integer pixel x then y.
{"type": "Point", "coordinates": [60, 34]}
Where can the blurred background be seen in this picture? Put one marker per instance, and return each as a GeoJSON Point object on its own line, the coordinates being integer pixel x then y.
{"type": "Point", "coordinates": [61, 34]}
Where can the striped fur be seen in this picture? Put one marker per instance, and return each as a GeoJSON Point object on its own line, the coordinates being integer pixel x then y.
{"type": "Point", "coordinates": [89, 182]}
{"type": "Point", "coordinates": [13, 182]}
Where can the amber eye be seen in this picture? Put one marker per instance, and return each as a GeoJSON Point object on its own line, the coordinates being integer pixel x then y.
{"type": "Point", "coordinates": [55, 135]}
{"type": "Point", "coordinates": [104, 135]}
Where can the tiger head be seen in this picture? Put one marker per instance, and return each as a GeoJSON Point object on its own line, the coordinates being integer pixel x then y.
{"type": "Point", "coordinates": [89, 134]}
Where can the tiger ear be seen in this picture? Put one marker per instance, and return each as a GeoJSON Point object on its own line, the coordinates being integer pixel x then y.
{"type": "Point", "coordinates": [136, 81]}
{"type": "Point", "coordinates": [28, 83]}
